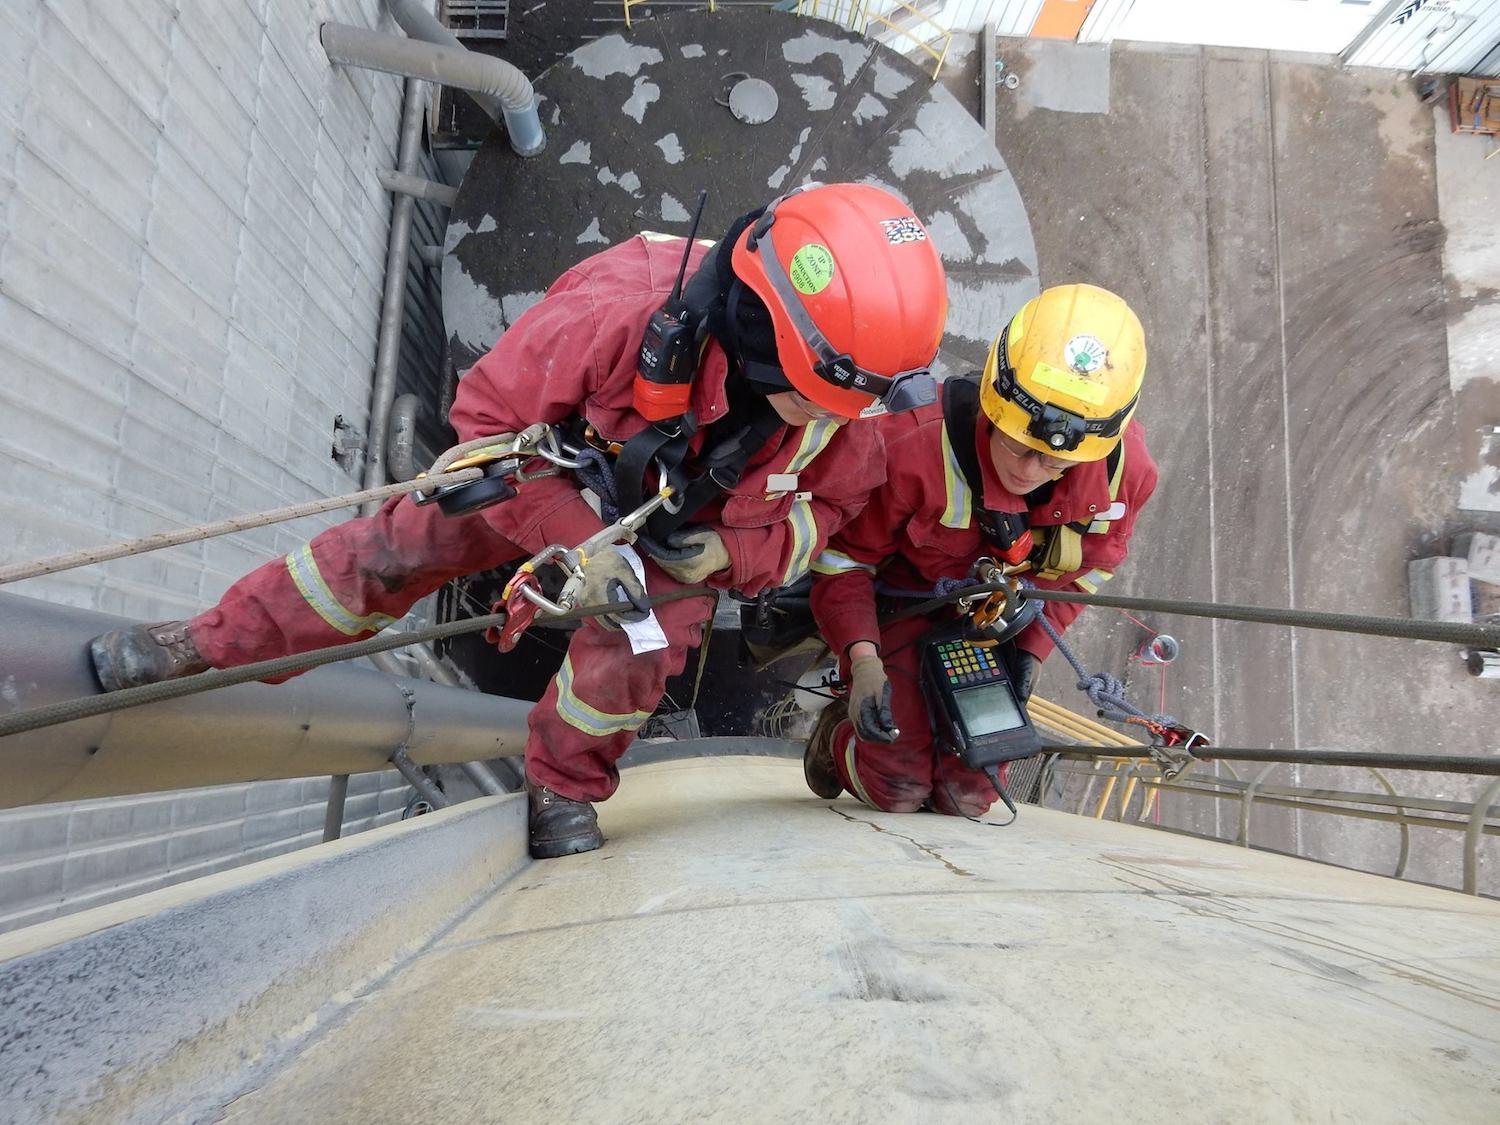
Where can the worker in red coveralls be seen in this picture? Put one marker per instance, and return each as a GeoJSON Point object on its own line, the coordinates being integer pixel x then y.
{"type": "Point", "coordinates": [828, 303]}
{"type": "Point", "coordinates": [1041, 441]}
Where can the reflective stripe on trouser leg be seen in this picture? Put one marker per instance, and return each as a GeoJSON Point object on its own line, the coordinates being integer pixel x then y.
{"type": "Point", "coordinates": [589, 713]}
{"type": "Point", "coordinates": [305, 575]}
{"type": "Point", "coordinates": [576, 713]}
{"type": "Point", "coordinates": [850, 769]}
{"type": "Point", "coordinates": [350, 580]}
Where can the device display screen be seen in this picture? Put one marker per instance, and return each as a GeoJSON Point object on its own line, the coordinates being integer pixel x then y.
{"type": "Point", "coordinates": [990, 709]}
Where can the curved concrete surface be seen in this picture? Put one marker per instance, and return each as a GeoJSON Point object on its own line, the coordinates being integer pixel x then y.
{"type": "Point", "coordinates": [739, 951]}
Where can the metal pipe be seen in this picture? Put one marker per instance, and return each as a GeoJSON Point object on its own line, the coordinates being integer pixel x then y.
{"type": "Point", "coordinates": [499, 88]}
{"type": "Point", "coordinates": [419, 780]}
{"type": "Point", "coordinates": [1472, 831]}
{"type": "Point", "coordinates": [393, 300]}
{"type": "Point", "coordinates": [333, 816]}
{"type": "Point", "coordinates": [401, 438]}
{"type": "Point", "coordinates": [418, 187]}
{"type": "Point", "coordinates": [513, 98]}
{"type": "Point", "coordinates": [1434, 763]}
{"type": "Point", "coordinates": [485, 781]}
{"type": "Point", "coordinates": [338, 719]}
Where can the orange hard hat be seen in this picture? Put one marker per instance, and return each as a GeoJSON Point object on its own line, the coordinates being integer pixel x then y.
{"type": "Point", "coordinates": [856, 294]}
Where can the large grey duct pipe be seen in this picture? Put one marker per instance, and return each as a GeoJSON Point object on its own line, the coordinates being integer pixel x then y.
{"type": "Point", "coordinates": [334, 720]}
{"type": "Point", "coordinates": [500, 89]}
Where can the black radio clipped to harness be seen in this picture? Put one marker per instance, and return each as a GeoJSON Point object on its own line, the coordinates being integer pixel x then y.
{"type": "Point", "coordinates": [669, 348]}
{"type": "Point", "coordinates": [975, 708]}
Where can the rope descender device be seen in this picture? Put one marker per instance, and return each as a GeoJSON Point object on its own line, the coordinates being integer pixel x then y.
{"type": "Point", "coordinates": [523, 598]}
{"type": "Point", "coordinates": [997, 615]}
{"type": "Point", "coordinates": [502, 458]}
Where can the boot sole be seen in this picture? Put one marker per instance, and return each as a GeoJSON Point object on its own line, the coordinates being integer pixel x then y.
{"type": "Point", "coordinates": [572, 845]}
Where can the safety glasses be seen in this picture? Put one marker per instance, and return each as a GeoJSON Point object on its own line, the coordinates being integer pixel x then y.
{"type": "Point", "coordinates": [906, 390]}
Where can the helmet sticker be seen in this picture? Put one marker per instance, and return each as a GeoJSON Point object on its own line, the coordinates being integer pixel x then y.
{"type": "Point", "coordinates": [1086, 354]}
{"type": "Point", "coordinates": [904, 229]}
{"type": "Point", "coordinates": [1068, 383]}
{"type": "Point", "coordinates": [812, 269]}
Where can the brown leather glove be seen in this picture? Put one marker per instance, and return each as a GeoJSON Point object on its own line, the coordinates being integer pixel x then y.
{"type": "Point", "coordinates": [870, 700]}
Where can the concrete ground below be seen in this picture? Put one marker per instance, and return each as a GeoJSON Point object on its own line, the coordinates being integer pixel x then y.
{"type": "Point", "coordinates": [1275, 220]}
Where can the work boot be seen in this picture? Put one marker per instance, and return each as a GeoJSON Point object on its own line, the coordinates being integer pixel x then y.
{"type": "Point", "coordinates": [817, 760]}
{"type": "Point", "coordinates": [145, 654]}
{"type": "Point", "coordinates": [560, 825]}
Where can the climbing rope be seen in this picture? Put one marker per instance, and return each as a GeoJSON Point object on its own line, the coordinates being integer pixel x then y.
{"type": "Point", "coordinates": [110, 551]}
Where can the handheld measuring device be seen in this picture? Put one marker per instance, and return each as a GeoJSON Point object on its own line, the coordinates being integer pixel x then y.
{"type": "Point", "coordinates": [974, 705]}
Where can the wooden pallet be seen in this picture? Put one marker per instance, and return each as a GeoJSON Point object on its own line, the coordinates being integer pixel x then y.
{"type": "Point", "coordinates": [1474, 106]}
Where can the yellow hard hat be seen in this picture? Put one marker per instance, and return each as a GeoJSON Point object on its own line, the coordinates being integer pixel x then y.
{"type": "Point", "coordinates": [1065, 374]}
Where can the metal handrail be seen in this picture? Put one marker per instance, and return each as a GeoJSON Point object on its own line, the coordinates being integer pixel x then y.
{"type": "Point", "coordinates": [1475, 819]}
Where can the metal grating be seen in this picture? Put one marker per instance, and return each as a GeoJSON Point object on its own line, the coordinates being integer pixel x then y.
{"type": "Point", "coordinates": [478, 19]}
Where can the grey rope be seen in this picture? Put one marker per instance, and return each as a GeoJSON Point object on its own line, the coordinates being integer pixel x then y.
{"type": "Point", "coordinates": [55, 564]}
{"type": "Point", "coordinates": [1105, 691]}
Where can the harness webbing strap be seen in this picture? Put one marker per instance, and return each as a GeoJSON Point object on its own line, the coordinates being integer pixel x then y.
{"type": "Point", "coordinates": [719, 468]}
{"type": "Point", "coordinates": [1060, 548]}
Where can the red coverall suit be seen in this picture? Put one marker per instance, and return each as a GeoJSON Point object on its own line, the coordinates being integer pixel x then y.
{"type": "Point", "coordinates": [572, 354]}
{"type": "Point", "coordinates": [917, 528]}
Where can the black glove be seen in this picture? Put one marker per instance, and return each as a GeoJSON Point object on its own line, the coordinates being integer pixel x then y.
{"type": "Point", "coordinates": [870, 701]}
{"type": "Point", "coordinates": [1023, 672]}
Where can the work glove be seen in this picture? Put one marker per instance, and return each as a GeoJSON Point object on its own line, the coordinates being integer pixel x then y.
{"type": "Point", "coordinates": [1023, 672]}
{"type": "Point", "coordinates": [870, 700]}
{"type": "Point", "coordinates": [608, 577]}
{"type": "Point", "coordinates": [691, 554]}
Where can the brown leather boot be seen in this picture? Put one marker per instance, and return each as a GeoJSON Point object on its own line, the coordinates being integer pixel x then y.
{"type": "Point", "coordinates": [817, 760]}
{"type": "Point", "coordinates": [560, 825]}
{"type": "Point", "coordinates": [145, 654]}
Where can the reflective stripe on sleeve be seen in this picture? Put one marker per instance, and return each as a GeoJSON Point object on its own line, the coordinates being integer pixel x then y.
{"type": "Point", "coordinates": [303, 569]}
{"type": "Point", "coordinates": [830, 561]}
{"type": "Point", "coordinates": [958, 511]}
{"type": "Point", "coordinates": [592, 721]}
{"type": "Point", "coordinates": [1090, 582]}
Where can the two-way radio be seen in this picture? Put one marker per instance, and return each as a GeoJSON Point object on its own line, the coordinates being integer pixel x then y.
{"type": "Point", "coordinates": [670, 347]}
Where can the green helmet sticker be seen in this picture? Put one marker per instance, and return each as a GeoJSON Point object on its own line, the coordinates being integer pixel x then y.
{"type": "Point", "coordinates": [812, 269]}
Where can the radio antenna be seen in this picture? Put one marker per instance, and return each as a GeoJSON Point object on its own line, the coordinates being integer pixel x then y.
{"type": "Point", "coordinates": [688, 249]}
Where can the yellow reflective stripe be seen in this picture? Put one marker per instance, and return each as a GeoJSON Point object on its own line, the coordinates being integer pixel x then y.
{"type": "Point", "coordinates": [849, 768]}
{"type": "Point", "coordinates": [804, 539]}
{"type": "Point", "coordinates": [592, 721]}
{"type": "Point", "coordinates": [1091, 581]}
{"type": "Point", "coordinates": [303, 568]}
{"type": "Point", "coordinates": [815, 439]}
{"type": "Point", "coordinates": [958, 510]}
{"type": "Point", "coordinates": [1100, 527]}
{"type": "Point", "coordinates": [830, 561]}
